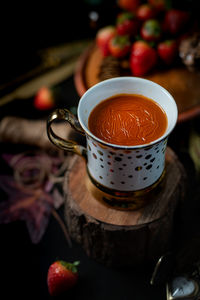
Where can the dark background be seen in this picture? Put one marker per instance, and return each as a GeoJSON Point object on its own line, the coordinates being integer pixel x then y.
{"type": "Point", "coordinates": [25, 29]}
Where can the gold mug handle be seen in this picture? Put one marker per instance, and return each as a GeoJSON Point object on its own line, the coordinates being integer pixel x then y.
{"type": "Point", "coordinates": [72, 146]}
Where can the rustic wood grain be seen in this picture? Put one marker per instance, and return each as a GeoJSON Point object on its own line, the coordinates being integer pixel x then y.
{"type": "Point", "coordinates": [114, 236]}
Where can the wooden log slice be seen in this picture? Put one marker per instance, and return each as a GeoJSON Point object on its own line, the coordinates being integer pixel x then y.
{"type": "Point", "coordinates": [123, 237]}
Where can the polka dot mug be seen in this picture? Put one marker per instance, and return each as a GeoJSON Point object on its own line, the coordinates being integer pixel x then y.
{"type": "Point", "coordinates": [118, 171]}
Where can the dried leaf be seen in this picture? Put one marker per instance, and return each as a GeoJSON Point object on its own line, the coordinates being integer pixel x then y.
{"type": "Point", "coordinates": [33, 207]}
{"type": "Point", "coordinates": [33, 190]}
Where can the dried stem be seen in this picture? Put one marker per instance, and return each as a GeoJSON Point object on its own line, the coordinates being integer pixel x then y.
{"type": "Point", "coordinates": [63, 227]}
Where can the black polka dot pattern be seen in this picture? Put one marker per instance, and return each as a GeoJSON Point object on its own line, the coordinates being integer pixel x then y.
{"type": "Point", "coordinates": [138, 168]}
{"type": "Point", "coordinates": [149, 167]}
{"type": "Point", "coordinates": [100, 152]}
{"type": "Point", "coordinates": [94, 155]}
{"type": "Point", "coordinates": [126, 169]}
{"type": "Point", "coordinates": [118, 158]}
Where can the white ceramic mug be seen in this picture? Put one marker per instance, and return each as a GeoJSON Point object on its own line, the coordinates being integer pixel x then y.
{"type": "Point", "coordinates": [116, 169]}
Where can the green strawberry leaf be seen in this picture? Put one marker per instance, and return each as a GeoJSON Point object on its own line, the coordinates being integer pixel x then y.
{"type": "Point", "coordinates": [70, 266]}
{"type": "Point", "coordinates": [152, 27]}
{"type": "Point", "coordinates": [124, 16]}
{"type": "Point", "coordinates": [169, 42]}
{"type": "Point", "coordinates": [121, 40]}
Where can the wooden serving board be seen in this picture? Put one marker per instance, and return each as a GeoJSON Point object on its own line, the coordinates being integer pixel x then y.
{"type": "Point", "coordinates": [123, 237]}
{"type": "Point", "coordinates": [181, 83]}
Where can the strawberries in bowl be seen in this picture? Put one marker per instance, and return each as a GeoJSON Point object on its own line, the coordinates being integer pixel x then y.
{"type": "Point", "coordinates": [167, 51]}
{"type": "Point", "coordinates": [130, 5]}
{"type": "Point", "coordinates": [119, 46]}
{"type": "Point", "coordinates": [175, 21]}
{"type": "Point", "coordinates": [104, 35]}
{"type": "Point", "coordinates": [151, 30]}
{"type": "Point", "coordinates": [159, 5]}
{"type": "Point", "coordinates": [142, 59]}
{"type": "Point", "coordinates": [145, 12]}
{"type": "Point", "coordinates": [146, 33]}
{"type": "Point", "coordinates": [127, 24]}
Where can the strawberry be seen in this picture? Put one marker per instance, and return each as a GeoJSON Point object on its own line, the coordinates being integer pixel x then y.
{"type": "Point", "coordinates": [158, 4]}
{"type": "Point", "coordinates": [44, 99]}
{"type": "Point", "coordinates": [119, 45]}
{"type": "Point", "coordinates": [130, 5]}
{"type": "Point", "coordinates": [143, 58]}
{"type": "Point", "coordinates": [151, 30]}
{"type": "Point", "coordinates": [127, 24]}
{"type": "Point", "coordinates": [103, 37]}
{"type": "Point", "coordinates": [175, 21]}
{"type": "Point", "coordinates": [61, 277]}
{"type": "Point", "coordinates": [145, 12]}
{"type": "Point", "coordinates": [167, 51]}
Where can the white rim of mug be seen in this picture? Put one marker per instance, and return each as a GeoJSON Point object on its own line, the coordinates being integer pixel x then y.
{"type": "Point", "coordinates": [90, 134]}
